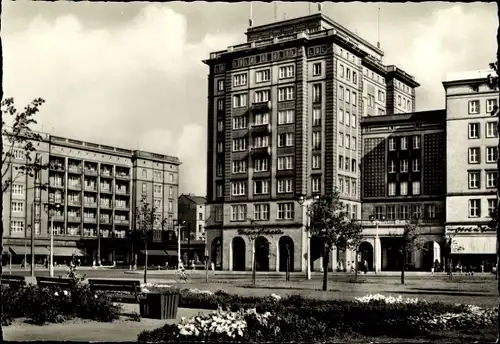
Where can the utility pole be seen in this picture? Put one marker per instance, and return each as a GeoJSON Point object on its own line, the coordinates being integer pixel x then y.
{"type": "Point", "coordinates": [32, 240]}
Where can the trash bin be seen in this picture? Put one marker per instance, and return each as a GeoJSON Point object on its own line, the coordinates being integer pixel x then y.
{"type": "Point", "coordinates": [160, 305]}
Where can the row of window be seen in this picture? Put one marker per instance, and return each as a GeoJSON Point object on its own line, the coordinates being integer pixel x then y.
{"type": "Point", "coordinates": [405, 211]}
{"type": "Point", "coordinates": [348, 96]}
{"type": "Point", "coordinates": [347, 164]}
{"type": "Point", "coordinates": [474, 178]}
{"type": "Point", "coordinates": [404, 103]}
{"type": "Point", "coordinates": [261, 187]}
{"type": "Point", "coordinates": [347, 186]}
{"type": "Point", "coordinates": [403, 188]}
{"type": "Point", "coordinates": [475, 130]}
{"type": "Point", "coordinates": [475, 155]}
{"type": "Point", "coordinates": [403, 166]}
{"type": "Point", "coordinates": [475, 106]}
{"type": "Point", "coordinates": [284, 94]}
{"type": "Point", "coordinates": [345, 73]}
{"type": "Point", "coordinates": [475, 207]}
{"type": "Point", "coordinates": [347, 141]}
{"type": "Point", "coordinates": [347, 119]}
{"type": "Point", "coordinates": [416, 141]}
{"type": "Point", "coordinates": [261, 212]}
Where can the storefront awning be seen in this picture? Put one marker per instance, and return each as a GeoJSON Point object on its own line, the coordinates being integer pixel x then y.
{"type": "Point", "coordinates": [68, 252]}
{"type": "Point", "coordinates": [22, 250]}
{"type": "Point", "coordinates": [159, 253]}
{"type": "Point", "coordinates": [474, 244]}
{"type": "Point", "coordinates": [172, 253]}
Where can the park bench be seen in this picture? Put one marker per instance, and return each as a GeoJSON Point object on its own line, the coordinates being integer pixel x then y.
{"type": "Point", "coordinates": [122, 290]}
{"type": "Point", "coordinates": [13, 281]}
{"type": "Point", "coordinates": [54, 282]}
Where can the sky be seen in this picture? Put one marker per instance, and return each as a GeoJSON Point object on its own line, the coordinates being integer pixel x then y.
{"type": "Point", "coordinates": [130, 74]}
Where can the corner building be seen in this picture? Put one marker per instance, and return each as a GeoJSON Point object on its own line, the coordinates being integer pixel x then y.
{"type": "Point", "coordinates": [284, 114]}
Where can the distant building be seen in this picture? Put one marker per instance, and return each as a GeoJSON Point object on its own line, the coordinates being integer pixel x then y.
{"type": "Point", "coordinates": [192, 210]}
{"type": "Point", "coordinates": [98, 188]}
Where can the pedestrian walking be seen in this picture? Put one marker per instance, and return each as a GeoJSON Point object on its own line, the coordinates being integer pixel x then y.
{"type": "Point", "coordinates": [365, 266]}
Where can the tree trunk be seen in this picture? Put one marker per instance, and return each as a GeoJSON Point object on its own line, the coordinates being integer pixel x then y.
{"type": "Point", "coordinates": [254, 265]}
{"type": "Point", "coordinates": [356, 266]}
{"type": "Point", "coordinates": [403, 268]}
{"type": "Point", "coordinates": [146, 262]}
{"type": "Point", "coordinates": [326, 259]}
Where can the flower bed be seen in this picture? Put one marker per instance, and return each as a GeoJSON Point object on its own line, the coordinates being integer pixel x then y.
{"type": "Point", "coordinates": [303, 319]}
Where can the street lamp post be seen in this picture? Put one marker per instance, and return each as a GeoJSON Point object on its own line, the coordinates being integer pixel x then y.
{"type": "Point", "coordinates": [53, 207]}
{"type": "Point", "coordinates": [179, 225]}
{"type": "Point", "coordinates": [301, 199]}
{"type": "Point", "coordinates": [376, 247]}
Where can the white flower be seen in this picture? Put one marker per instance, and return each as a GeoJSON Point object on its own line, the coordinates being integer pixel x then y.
{"type": "Point", "coordinates": [66, 293]}
{"type": "Point", "coordinates": [95, 296]}
{"type": "Point", "coordinates": [56, 293]}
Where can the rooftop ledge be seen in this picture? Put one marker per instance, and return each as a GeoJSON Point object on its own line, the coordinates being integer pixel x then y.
{"type": "Point", "coordinates": [468, 75]}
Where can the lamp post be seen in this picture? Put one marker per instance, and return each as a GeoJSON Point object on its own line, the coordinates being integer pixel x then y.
{"type": "Point", "coordinates": [301, 199]}
{"type": "Point", "coordinates": [377, 221]}
{"type": "Point", "coordinates": [53, 207]}
{"type": "Point", "coordinates": [179, 225]}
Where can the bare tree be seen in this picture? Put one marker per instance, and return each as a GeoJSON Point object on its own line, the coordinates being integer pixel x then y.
{"type": "Point", "coordinates": [329, 223]}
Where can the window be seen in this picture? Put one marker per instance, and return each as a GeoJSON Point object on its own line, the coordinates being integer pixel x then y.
{"type": "Point", "coordinates": [316, 161]}
{"type": "Point", "coordinates": [220, 126]}
{"type": "Point", "coordinates": [37, 228]}
{"type": "Point", "coordinates": [261, 187]}
{"type": "Point", "coordinates": [474, 107]}
{"type": "Point", "coordinates": [16, 226]}
{"type": "Point", "coordinates": [285, 93]}
{"type": "Point", "coordinates": [491, 179]}
{"type": "Point", "coordinates": [353, 120]}
{"type": "Point", "coordinates": [392, 167]}
{"type": "Point", "coordinates": [285, 211]}
{"type": "Point", "coordinates": [341, 116]}
{"type": "Point", "coordinates": [341, 162]}
{"type": "Point", "coordinates": [391, 212]}
{"type": "Point", "coordinates": [287, 72]}
{"type": "Point", "coordinates": [341, 93]}
{"type": "Point", "coordinates": [239, 166]}
{"type": "Point", "coordinates": [347, 164]}
{"type": "Point", "coordinates": [403, 166]}
{"type": "Point", "coordinates": [353, 143]}
{"type": "Point", "coordinates": [341, 140]}
{"type": "Point", "coordinates": [353, 187]}
{"type": "Point", "coordinates": [220, 104]}
{"type": "Point", "coordinates": [392, 144]}
{"type": "Point", "coordinates": [220, 147]}
{"type": "Point", "coordinates": [474, 155]}
{"type": "Point", "coordinates": [171, 192]}
{"type": "Point", "coordinates": [144, 173]}
{"type": "Point", "coordinates": [416, 165]}
{"type": "Point", "coordinates": [491, 154]}
{"type": "Point", "coordinates": [261, 96]}
{"type": "Point", "coordinates": [354, 212]}
{"type": "Point", "coordinates": [238, 188]}
{"type": "Point", "coordinates": [316, 93]}
{"type": "Point", "coordinates": [353, 98]}
{"type": "Point", "coordinates": [416, 142]}
{"type": "Point", "coordinates": [144, 188]}
{"type": "Point", "coordinates": [238, 212]}
{"type": "Point", "coordinates": [219, 217]}
{"type": "Point", "coordinates": [157, 203]}
{"type": "Point", "coordinates": [285, 140]}
{"type": "Point", "coordinates": [260, 165]}
{"type": "Point", "coordinates": [347, 96]}
{"type": "Point", "coordinates": [492, 206]}
{"type": "Point", "coordinates": [316, 140]}
{"type": "Point", "coordinates": [240, 80]}
{"type": "Point", "coordinates": [371, 101]}
{"type": "Point", "coordinates": [261, 211]}
{"type": "Point", "coordinates": [263, 75]}
{"type": "Point", "coordinates": [491, 129]}
{"type": "Point", "coordinates": [261, 118]}
{"type": "Point", "coordinates": [381, 96]}
{"type": "Point", "coordinates": [404, 212]}
{"type": "Point", "coordinates": [316, 184]}
{"type": "Point", "coordinates": [171, 178]}
{"type": "Point", "coordinates": [220, 85]}
{"type": "Point", "coordinates": [430, 211]}
{"type": "Point", "coordinates": [18, 189]}
{"type": "Point", "coordinates": [317, 69]}
{"type": "Point", "coordinates": [399, 100]}
{"type": "Point", "coordinates": [284, 185]}
{"type": "Point", "coordinates": [239, 100]}
{"type": "Point", "coordinates": [316, 115]}
{"type": "Point", "coordinates": [354, 78]}
{"type": "Point", "coordinates": [340, 185]}
{"type": "Point", "coordinates": [408, 105]}
{"type": "Point", "coordinates": [490, 105]}
{"type": "Point", "coordinates": [219, 190]}
{"type": "Point", "coordinates": [474, 208]}
{"type": "Point", "coordinates": [261, 141]}
{"type": "Point", "coordinates": [474, 130]}
{"type": "Point", "coordinates": [285, 163]}
{"type": "Point", "coordinates": [286, 116]}
{"type": "Point", "coordinates": [415, 188]}
{"type": "Point", "coordinates": [18, 154]}
{"type": "Point", "coordinates": [347, 141]}
{"type": "Point", "coordinates": [474, 179]}
{"type": "Point", "coordinates": [239, 145]}
{"type": "Point", "coordinates": [404, 143]}
{"type": "Point", "coordinates": [341, 70]}
{"type": "Point", "coordinates": [17, 207]}
{"type": "Point", "coordinates": [157, 189]}
{"type": "Point", "coordinates": [403, 188]}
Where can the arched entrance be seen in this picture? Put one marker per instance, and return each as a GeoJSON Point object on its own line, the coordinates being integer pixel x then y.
{"type": "Point", "coordinates": [286, 253]}
{"type": "Point", "coordinates": [430, 253]}
{"type": "Point", "coordinates": [216, 252]}
{"type": "Point", "coordinates": [316, 252]}
{"type": "Point", "coordinates": [262, 254]}
{"type": "Point", "coordinates": [238, 254]}
{"type": "Point", "coordinates": [366, 252]}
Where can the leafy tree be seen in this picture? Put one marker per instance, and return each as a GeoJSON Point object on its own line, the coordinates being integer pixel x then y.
{"type": "Point", "coordinates": [146, 219]}
{"type": "Point", "coordinates": [256, 230]}
{"type": "Point", "coordinates": [330, 224]}
{"type": "Point", "coordinates": [409, 241]}
{"type": "Point", "coordinates": [17, 136]}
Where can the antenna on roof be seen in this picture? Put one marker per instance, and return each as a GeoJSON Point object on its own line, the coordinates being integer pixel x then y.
{"type": "Point", "coordinates": [275, 10]}
{"type": "Point", "coordinates": [250, 21]}
{"type": "Point", "coordinates": [378, 29]}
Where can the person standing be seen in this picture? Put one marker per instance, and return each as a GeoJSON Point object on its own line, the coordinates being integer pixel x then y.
{"type": "Point", "coordinates": [365, 266]}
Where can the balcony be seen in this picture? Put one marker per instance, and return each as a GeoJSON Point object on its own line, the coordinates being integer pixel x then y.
{"type": "Point", "coordinates": [122, 207]}
{"type": "Point", "coordinates": [74, 231]}
{"type": "Point", "coordinates": [389, 223]}
{"type": "Point", "coordinates": [74, 169]}
{"type": "Point", "coordinates": [90, 188]}
{"type": "Point", "coordinates": [106, 174]}
{"type": "Point", "coordinates": [105, 205]}
{"type": "Point", "coordinates": [261, 106]}
{"type": "Point", "coordinates": [56, 185]}
{"type": "Point", "coordinates": [261, 129]}
{"type": "Point", "coordinates": [89, 219]}
{"type": "Point", "coordinates": [75, 187]}
{"type": "Point", "coordinates": [90, 204]}
{"type": "Point", "coordinates": [89, 233]}
{"type": "Point", "coordinates": [121, 191]}
{"type": "Point", "coordinates": [121, 222]}
{"type": "Point", "coordinates": [261, 151]}
{"type": "Point", "coordinates": [74, 218]}
{"type": "Point", "coordinates": [120, 234]}
{"type": "Point", "coordinates": [56, 167]}
{"type": "Point", "coordinates": [58, 218]}
{"type": "Point", "coordinates": [90, 172]}
{"type": "Point", "coordinates": [105, 220]}
{"type": "Point", "coordinates": [74, 203]}
{"type": "Point", "coordinates": [122, 176]}
{"type": "Point", "coordinates": [106, 190]}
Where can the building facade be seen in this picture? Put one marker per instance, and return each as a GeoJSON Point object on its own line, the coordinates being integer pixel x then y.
{"type": "Point", "coordinates": [96, 189]}
{"type": "Point", "coordinates": [193, 211]}
{"type": "Point", "coordinates": [471, 157]}
{"type": "Point", "coordinates": [284, 114]}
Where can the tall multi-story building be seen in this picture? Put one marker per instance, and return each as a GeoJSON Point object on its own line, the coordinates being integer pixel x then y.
{"type": "Point", "coordinates": [96, 189]}
{"type": "Point", "coordinates": [471, 156]}
{"type": "Point", "coordinates": [284, 114]}
{"type": "Point", "coordinates": [403, 177]}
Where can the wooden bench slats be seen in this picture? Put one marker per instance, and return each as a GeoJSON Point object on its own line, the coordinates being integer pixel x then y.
{"type": "Point", "coordinates": [53, 282]}
{"type": "Point", "coordinates": [127, 286]}
{"type": "Point", "coordinates": [13, 280]}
